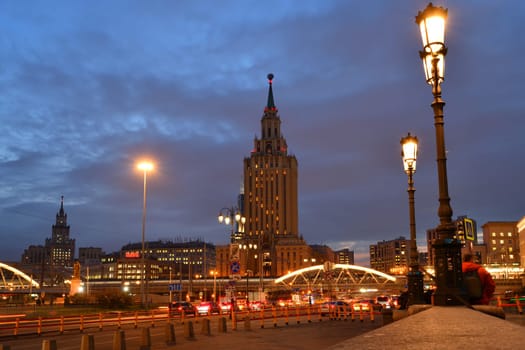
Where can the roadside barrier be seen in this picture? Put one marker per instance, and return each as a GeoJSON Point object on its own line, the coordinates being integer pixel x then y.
{"type": "Point", "coordinates": [49, 344]}
{"type": "Point", "coordinates": [119, 340]}
{"type": "Point", "coordinates": [98, 321]}
{"type": "Point", "coordinates": [170, 334]}
{"type": "Point", "coordinates": [87, 342]}
{"type": "Point", "coordinates": [205, 326]}
{"type": "Point", "coordinates": [222, 325]}
{"type": "Point", "coordinates": [5, 347]}
{"type": "Point", "coordinates": [145, 341]}
{"type": "Point", "coordinates": [188, 330]}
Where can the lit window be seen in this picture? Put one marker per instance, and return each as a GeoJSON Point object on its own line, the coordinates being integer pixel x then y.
{"type": "Point", "coordinates": [509, 234]}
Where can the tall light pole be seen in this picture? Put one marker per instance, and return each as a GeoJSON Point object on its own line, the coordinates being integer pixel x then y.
{"type": "Point", "coordinates": [415, 277]}
{"type": "Point", "coordinates": [145, 167]}
{"type": "Point", "coordinates": [230, 216]}
{"type": "Point", "coordinates": [214, 273]}
{"type": "Point", "coordinates": [447, 248]}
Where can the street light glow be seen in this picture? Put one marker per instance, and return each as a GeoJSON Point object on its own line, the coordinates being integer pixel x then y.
{"type": "Point", "coordinates": [145, 166]}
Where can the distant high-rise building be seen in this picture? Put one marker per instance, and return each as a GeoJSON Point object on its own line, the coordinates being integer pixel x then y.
{"type": "Point", "coordinates": [390, 256]}
{"type": "Point", "coordinates": [88, 256]}
{"type": "Point", "coordinates": [344, 256]}
{"type": "Point", "coordinates": [61, 248]}
{"type": "Point", "coordinates": [520, 226]}
{"type": "Point", "coordinates": [503, 245]}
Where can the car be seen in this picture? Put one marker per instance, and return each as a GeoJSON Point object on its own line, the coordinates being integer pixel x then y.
{"type": "Point", "coordinates": [361, 305]}
{"type": "Point", "coordinates": [179, 307]}
{"type": "Point", "coordinates": [384, 301]}
{"type": "Point", "coordinates": [329, 307]}
{"type": "Point", "coordinates": [208, 308]}
{"type": "Point", "coordinates": [226, 307]}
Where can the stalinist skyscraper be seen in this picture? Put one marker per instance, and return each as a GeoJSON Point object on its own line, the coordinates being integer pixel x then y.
{"type": "Point", "coordinates": [270, 201]}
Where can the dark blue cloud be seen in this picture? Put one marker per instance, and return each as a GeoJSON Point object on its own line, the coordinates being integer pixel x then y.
{"type": "Point", "coordinates": [87, 89]}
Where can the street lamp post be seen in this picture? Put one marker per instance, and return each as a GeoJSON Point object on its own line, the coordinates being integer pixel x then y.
{"type": "Point", "coordinates": [214, 273]}
{"type": "Point", "coordinates": [230, 216]}
{"type": "Point", "coordinates": [415, 277]}
{"type": "Point", "coordinates": [447, 248]}
{"type": "Point", "coordinates": [145, 167]}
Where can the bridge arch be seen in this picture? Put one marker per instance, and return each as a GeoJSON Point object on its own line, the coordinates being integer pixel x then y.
{"type": "Point", "coordinates": [13, 278]}
{"type": "Point", "coordinates": [336, 274]}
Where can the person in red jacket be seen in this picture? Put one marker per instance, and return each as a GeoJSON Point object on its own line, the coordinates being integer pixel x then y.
{"type": "Point", "coordinates": [486, 279]}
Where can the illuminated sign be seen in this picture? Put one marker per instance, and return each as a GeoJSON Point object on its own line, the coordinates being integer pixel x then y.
{"type": "Point", "coordinates": [469, 229]}
{"type": "Point", "coordinates": [132, 255]}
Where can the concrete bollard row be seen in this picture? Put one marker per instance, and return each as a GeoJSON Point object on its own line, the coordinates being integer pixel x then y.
{"type": "Point", "coordinates": [119, 340]}
{"type": "Point", "coordinates": [49, 344]}
{"type": "Point", "coordinates": [170, 334]}
{"type": "Point", "coordinates": [188, 330]}
{"type": "Point", "coordinates": [145, 341]}
{"type": "Point", "coordinates": [222, 325]}
{"type": "Point", "coordinates": [87, 342]}
{"type": "Point", "coordinates": [4, 347]}
{"type": "Point", "coordinates": [205, 326]}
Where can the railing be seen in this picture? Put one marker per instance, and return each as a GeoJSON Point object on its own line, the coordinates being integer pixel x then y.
{"type": "Point", "coordinates": [16, 325]}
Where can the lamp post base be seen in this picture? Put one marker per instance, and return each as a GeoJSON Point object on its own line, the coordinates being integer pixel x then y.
{"type": "Point", "coordinates": [415, 286]}
{"type": "Point", "coordinates": [449, 276]}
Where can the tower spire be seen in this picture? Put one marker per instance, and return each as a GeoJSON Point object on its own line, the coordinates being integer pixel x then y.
{"type": "Point", "coordinates": [61, 213]}
{"type": "Point", "coordinates": [270, 105]}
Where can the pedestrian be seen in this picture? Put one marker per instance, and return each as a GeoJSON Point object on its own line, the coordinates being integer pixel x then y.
{"type": "Point", "coordinates": [487, 283]}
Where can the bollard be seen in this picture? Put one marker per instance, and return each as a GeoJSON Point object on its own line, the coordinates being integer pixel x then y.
{"type": "Point", "coordinates": [81, 323]}
{"type": "Point", "coordinates": [309, 311]}
{"type": "Point", "coordinates": [152, 318]}
{"type": "Point", "coordinates": [297, 319]}
{"type": "Point", "coordinates": [222, 325]}
{"type": "Point", "coordinates": [518, 305]}
{"type": "Point", "coordinates": [188, 330]}
{"type": "Point", "coordinates": [39, 326]}
{"type": "Point", "coordinates": [387, 316]}
{"type": "Point", "coordinates": [499, 301]}
{"type": "Point", "coordinates": [262, 315]}
{"type": "Point", "coordinates": [5, 347]}
{"type": "Point", "coordinates": [136, 319]}
{"type": "Point", "coordinates": [352, 312]}
{"type": "Point", "coordinates": [361, 312]}
{"type": "Point", "coordinates": [320, 313]}
{"type": "Point", "coordinates": [119, 324]}
{"type": "Point", "coordinates": [286, 315]}
{"type": "Point", "coordinates": [145, 341]}
{"type": "Point", "coordinates": [170, 334]}
{"type": "Point", "coordinates": [205, 326]}
{"type": "Point", "coordinates": [17, 325]}
{"type": "Point", "coordinates": [119, 340]}
{"type": "Point", "coordinates": [100, 322]}
{"type": "Point", "coordinates": [247, 323]}
{"type": "Point", "coordinates": [87, 342]}
{"type": "Point", "coordinates": [61, 327]}
{"type": "Point", "coordinates": [274, 314]}
{"type": "Point", "coordinates": [49, 344]}
{"type": "Point", "coordinates": [372, 314]}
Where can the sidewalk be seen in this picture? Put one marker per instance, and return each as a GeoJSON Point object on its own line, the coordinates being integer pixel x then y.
{"type": "Point", "coordinates": [442, 328]}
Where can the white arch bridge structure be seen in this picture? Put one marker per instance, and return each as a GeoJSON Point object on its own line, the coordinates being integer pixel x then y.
{"type": "Point", "coordinates": [338, 277]}
{"type": "Point", "coordinates": [13, 280]}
